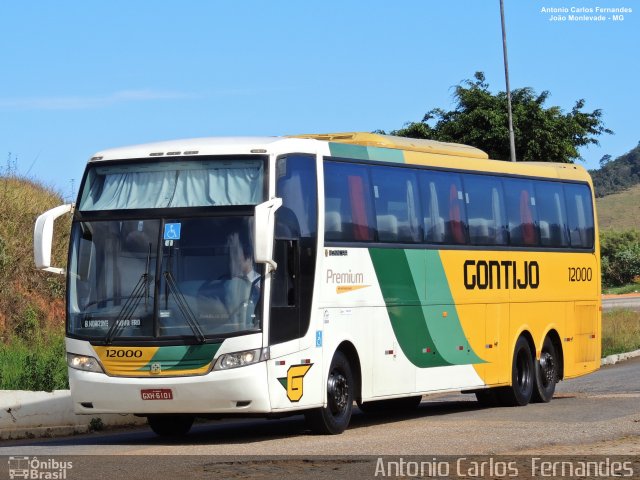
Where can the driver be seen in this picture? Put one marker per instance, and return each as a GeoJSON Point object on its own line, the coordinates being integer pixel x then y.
{"type": "Point", "coordinates": [243, 275]}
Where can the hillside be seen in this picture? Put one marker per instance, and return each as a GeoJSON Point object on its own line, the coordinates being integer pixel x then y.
{"type": "Point", "coordinates": [617, 175]}
{"type": "Point", "coordinates": [620, 211]}
{"type": "Point", "coordinates": [28, 298]}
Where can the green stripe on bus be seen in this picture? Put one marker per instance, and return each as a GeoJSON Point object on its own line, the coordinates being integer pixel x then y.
{"type": "Point", "coordinates": [343, 150]}
{"type": "Point", "coordinates": [385, 155]}
{"type": "Point", "coordinates": [187, 357]}
{"type": "Point", "coordinates": [403, 305]}
{"type": "Point", "coordinates": [410, 290]}
{"type": "Point", "coordinates": [359, 152]}
{"type": "Point", "coordinates": [446, 331]}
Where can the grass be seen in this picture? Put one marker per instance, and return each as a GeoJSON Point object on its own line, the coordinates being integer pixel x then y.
{"type": "Point", "coordinates": [32, 355]}
{"type": "Point", "coordinates": [35, 364]}
{"type": "Point", "coordinates": [630, 288]}
{"type": "Point", "coordinates": [619, 211]}
{"type": "Point", "coordinates": [620, 331]}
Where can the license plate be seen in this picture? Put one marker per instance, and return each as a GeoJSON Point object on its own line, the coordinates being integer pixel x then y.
{"type": "Point", "coordinates": [157, 394]}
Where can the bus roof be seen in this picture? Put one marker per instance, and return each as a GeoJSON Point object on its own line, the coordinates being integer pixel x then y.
{"type": "Point", "coordinates": [399, 143]}
{"type": "Point", "coordinates": [358, 145]}
{"type": "Point", "coordinates": [188, 147]}
{"type": "Point", "coordinates": [370, 146]}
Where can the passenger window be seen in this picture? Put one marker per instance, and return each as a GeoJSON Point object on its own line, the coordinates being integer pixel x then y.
{"type": "Point", "coordinates": [485, 210]}
{"type": "Point", "coordinates": [443, 207]}
{"type": "Point", "coordinates": [579, 215]}
{"type": "Point", "coordinates": [395, 192]}
{"type": "Point", "coordinates": [551, 214]}
{"type": "Point", "coordinates": [522, 216]}
{"type": "Point", "coordinates": [348, 209]}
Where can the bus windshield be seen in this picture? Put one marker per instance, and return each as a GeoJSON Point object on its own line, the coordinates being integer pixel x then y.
{"type": "Point", "coordinates": [219, 181]}
{"type": "Point", "coordinates": [171, 277]}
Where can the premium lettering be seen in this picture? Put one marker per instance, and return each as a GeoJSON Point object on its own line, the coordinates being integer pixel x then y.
{"type": "Point", "coordinates": [344, 277]}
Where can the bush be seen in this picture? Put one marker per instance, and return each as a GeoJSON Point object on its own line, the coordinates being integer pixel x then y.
{"type": "Point", "coordinates": [37, 363]}
{"type": "Point", "coordinates": [620, 252]}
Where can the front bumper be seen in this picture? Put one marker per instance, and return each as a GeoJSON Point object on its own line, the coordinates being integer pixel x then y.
{"type": "Point", "coordinates": [238, 390]}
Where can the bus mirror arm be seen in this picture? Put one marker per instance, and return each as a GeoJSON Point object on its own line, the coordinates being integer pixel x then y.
{"type": "Point", "coordinates": [43, 238]}
{"type": "Point", "coordinates": [263, 231]}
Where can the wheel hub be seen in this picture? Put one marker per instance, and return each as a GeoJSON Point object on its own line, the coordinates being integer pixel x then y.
{"type": "Point", "coordinates": [338, 392]}
{"type": "Point", "coordinates": [548, 368]}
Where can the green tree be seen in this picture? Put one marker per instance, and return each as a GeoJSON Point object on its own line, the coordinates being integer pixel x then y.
{"type": "Point", "coordinates": [480, 120]}
{"type": "Point", "coordinates": [605, 160]}
{"type": "Point", "coordinates": [620, 252]}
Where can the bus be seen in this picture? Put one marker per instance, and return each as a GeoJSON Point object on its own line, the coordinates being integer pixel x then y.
{"type": "Point", "coordinates": [275, 276]}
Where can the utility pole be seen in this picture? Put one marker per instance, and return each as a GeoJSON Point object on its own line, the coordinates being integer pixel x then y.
{"type": "Point", "coordinates": [512, 141]}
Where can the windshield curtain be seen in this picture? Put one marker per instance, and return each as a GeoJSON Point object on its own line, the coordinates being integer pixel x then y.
{"type": "Point", "coordinates": [207, 283]}
{"type": "Point", "coordinates": [171, 184]}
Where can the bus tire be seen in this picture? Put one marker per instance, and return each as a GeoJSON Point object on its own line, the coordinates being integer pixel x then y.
{"type": "Point", "coordinates": [522, 377]}
{"type": "Point", "coordinates": [334, 418]}
{"type": "Point", "coordinates": [170, 425]}
{"type": "Point", "coordinates": [546, 373]}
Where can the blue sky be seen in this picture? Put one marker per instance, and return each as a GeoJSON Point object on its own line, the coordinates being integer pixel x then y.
{"type": "Point", "coordinates": [80, 76]}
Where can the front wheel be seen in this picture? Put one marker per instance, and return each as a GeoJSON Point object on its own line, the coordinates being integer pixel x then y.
{"type": "Point", "coordinates": [522, 377]}
{"type": "Point", "coordinates": [334, 418]}
{"type": "Point", "coordinates": [170, 425]}
{"type": "Point", "coordinates": [546, 373]}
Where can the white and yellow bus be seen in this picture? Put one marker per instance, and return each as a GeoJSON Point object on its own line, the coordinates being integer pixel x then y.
{"type": "Point", "coordinates": [273, 276]}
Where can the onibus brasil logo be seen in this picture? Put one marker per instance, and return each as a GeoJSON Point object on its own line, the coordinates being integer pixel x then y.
{"type": "Point", "coordinates": [33, 468]}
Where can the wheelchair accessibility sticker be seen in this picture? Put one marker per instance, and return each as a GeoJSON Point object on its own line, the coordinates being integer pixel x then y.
{"type": "Point", "coordinates": [172, 231]}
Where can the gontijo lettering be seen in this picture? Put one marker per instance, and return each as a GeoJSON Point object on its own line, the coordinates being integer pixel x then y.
{"type": "Point", "coordinates": [507, 274]}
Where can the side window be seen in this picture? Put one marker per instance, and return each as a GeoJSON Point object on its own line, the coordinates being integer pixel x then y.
{"type": "Point", "coordinates": [552, 214]}
{"type": "Point", "coordinates": [486, 216]}
{"type": "Point", "coordinates": [348, 209]}
{"type": "Point", "coordinates": [296, 185]}
{"type": "Point", "coordinates": [295, 247]}
{"type": "Point", "coordinates": [579, 215]}
{"type": "Point", "coordinates": [522, 216]}
{"type": "Point", "coordinates": [443, 206]}
{"type": "Point", "coordinates": [395, 192]}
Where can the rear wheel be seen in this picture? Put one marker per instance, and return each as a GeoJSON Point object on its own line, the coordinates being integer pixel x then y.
{"type": "Point", "coordinates": [334, 418]}
{"type": "Point", "coordinates": [522, 377]}
{"type": "Point", "coordinates": [170, 425]}
{"type": "Point", "coordinates": [546, 373]}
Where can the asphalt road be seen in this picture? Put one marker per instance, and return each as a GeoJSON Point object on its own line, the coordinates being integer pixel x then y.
{"type": "Point", "coordinates": [628, 302]}
{"type": "Point", "coordinates": [594, 415]}
{"type": "Point", "coordinates": [598, 413]}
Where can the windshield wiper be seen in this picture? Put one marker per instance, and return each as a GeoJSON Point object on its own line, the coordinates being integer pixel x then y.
{"type": "Point", "coordinates": [140, 290]}
{"type": "Point", "coordinates": [191, 319]}
{"type": "Point", "coordinates": [129, 307]}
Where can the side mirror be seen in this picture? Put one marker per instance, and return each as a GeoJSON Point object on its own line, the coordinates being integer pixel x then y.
{"type": "Point", "coordinates": [43, 238]}
{"type": "Point", "coordinates": [263, 231]}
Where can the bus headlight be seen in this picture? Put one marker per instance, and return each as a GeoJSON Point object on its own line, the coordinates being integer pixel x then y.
{"type": "Point", "coordinates": [84, 363]}
{"type": "Point", "coordinates": [240, 359]}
